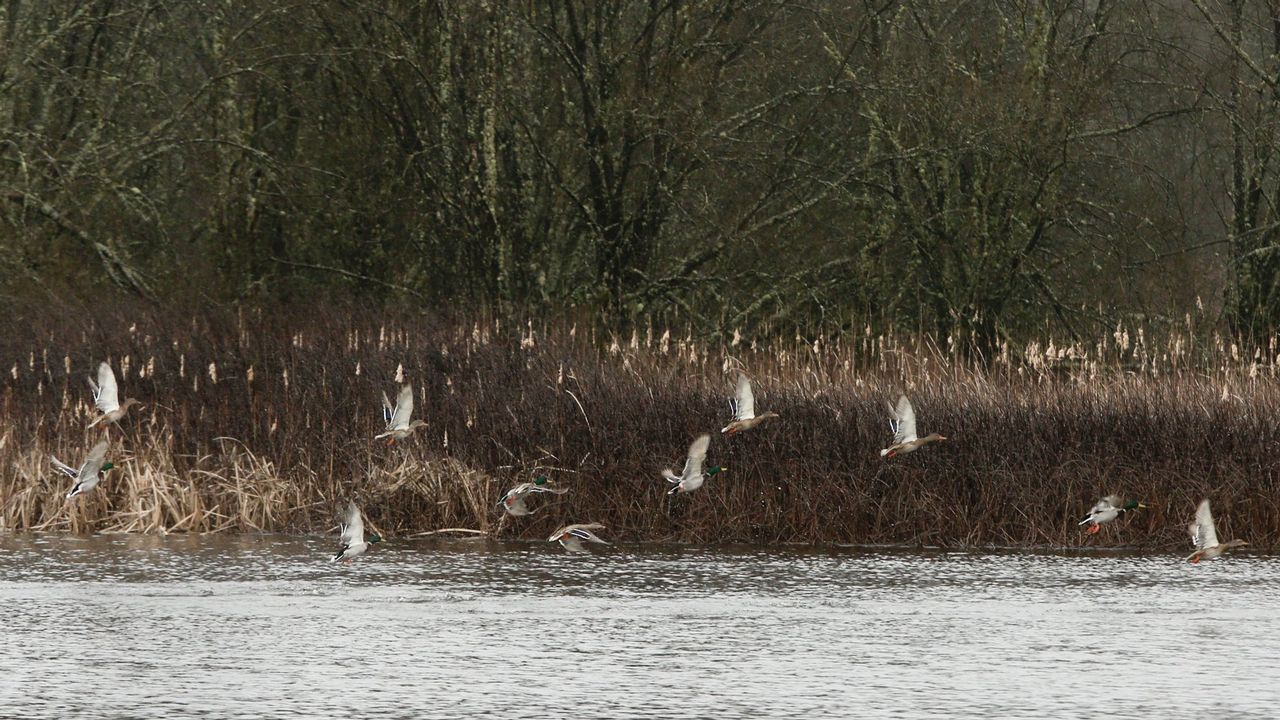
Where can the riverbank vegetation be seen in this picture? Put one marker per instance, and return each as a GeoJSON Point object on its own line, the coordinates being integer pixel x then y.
{"type": "Point", "coordinates": [263, 421]}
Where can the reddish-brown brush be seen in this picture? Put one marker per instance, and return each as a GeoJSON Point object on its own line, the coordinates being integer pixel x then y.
{"type": "Point", "coordinates": [263, 421]}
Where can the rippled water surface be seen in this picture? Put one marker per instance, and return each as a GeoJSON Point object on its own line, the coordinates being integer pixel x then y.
{"type": "Point", "coordinates": [265, 626]}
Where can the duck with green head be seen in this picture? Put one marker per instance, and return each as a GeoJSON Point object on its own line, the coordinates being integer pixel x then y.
{"type": "Point", "coordinates": [513, 501]}
{"type": "Point", "coordinates": [90, 472]}
{"type": "Point", "coordinates": [692, 477]}
{"type": "Point", "coordinates": [353, 541]}
{"type": "Point", "coordinates": [1107, 509]}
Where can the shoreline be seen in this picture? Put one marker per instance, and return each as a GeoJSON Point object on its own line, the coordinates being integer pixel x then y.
{"type": "Point", "coordinates": [647, 547]}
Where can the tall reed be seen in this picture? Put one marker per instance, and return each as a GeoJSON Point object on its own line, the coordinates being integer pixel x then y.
{"type": "Point", "coordinates": [262, 421]}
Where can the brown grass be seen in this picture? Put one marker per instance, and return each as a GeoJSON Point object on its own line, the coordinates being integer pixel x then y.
{"type": "Point", "coordinates": [262, 421]}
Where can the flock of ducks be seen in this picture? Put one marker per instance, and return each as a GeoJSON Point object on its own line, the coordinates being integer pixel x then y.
{"type": "Point", "coordinates": [400, 425]}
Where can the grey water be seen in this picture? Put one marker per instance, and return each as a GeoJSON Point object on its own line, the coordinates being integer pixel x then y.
{"type": "Point", "coordinates": [265, 626]}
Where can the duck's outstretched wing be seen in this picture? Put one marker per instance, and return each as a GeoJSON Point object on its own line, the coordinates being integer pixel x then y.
{"type": "Point", "coordinates": [744, 401]}
{"type": "Point", "coordinates": [352, 525]}
{"type": "Point", "coordinates": [697, 455]}
{"type": "Point", "coordinates": [583, 532]}
{"type": "Point", "coordinates": [1101, 506]}
{"type": "Point", "coordinates": [388, 410]}
{"type": "Point", "coordinates": [404, 408]}
{"type": "Point", "coordinates": [93, 461]}
{"type": "Point", "coordinates": [903, 422]}
{"type": "Point", "coordinates": [1203, 533]}
{"type": "Point", "coordinates": [516, 493]}
{"type": "Point", "coordinates": [106, 395]}
{"type": "Point", "coordinates": [64, 468]}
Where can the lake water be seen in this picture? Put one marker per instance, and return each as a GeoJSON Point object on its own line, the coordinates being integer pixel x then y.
{"type": "Point", "coordinates": [254, 626]}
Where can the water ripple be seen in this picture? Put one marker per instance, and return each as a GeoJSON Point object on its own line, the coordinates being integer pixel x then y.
{"type": "Point", "coordinates": [227, 627]}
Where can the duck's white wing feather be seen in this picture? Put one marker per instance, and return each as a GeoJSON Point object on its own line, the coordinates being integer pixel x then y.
{"type": "Point", "coordinates": [388, 410]}
{"type": "Point", "coordinates": [744, 401]}
{"type": "Point", "coordinates": [98, 454]}
{"type": "Point", "coordinates": [587, 535]}
{"type": "Point", "coordinates": [574, 530]}
{"type": "Point", "coordinates": [1106, 504]}
{"type": "Point", "coordinates": [94, 460]}
{"type": "Point", "coordinates": [1203, 533]}
{"type": "Point", "coordinates": [404, 408]}
{"type": "Point", "coordinates": [92, 464]}
{"type": "Point", "coordinates": [64, 468]}
{"type": "Point", "coordinates": [904, 425]}
{"type": "Point", "coordinates": [352, 525]}
{"type": "Point", "coordinates": [517, 492]}
{"type": "Point", "coordinates": [697, 454]}
{"type": "Point", "coordinates": [106, 395]}
{"type": "Point", "coordinates": [1099, 507]}
{"type": "Point", "coordinates": [582, 532]}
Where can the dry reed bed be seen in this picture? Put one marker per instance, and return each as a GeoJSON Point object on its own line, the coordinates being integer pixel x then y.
{"type": "Point", "coordinates": [262, 422]}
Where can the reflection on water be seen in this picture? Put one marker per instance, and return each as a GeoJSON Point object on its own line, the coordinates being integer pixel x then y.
{"type": "Point", "coordinates": [257, 626]}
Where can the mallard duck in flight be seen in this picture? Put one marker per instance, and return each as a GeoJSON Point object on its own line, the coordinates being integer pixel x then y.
{"type": "Point", "coordinates": [743, 407]}
{"type": "Point", "coordinates": [1205, 536]}
{"type": "Point", "coordinates": [692, 477]}
{"type": "Point", "coordinates": [903, 423]}
{"type": "Point", "coordinates": [90, 472]}
{"type": "Point", "coordinates": [397, 416]}
{"type": "Point", "coordinates": [106, 397]}
{"type": "Point", "coordinates": [1107, 509]}
{"type": "Point", "coordinates": [353, 542]}
{"type": "Point", "coordinates": [571, 537]}
{"type": "Point", "coordinates": [513, 501]}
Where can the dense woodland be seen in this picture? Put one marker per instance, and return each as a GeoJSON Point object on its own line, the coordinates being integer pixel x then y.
{"type": "Point", "coordinates": [977, 170]}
